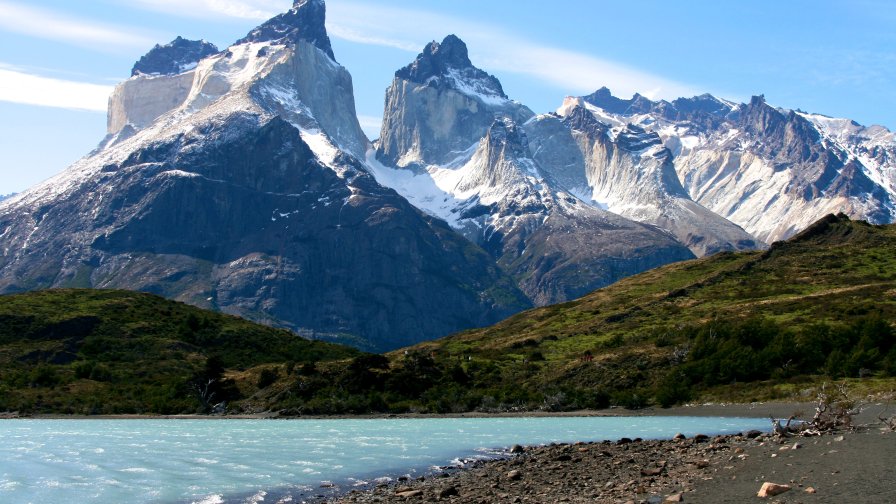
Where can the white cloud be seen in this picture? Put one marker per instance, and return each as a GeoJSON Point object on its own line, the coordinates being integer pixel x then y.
{"type": "Point", "coordinates": [242, 9]}
{"type": "Point", "coordinates": [492, 47]}
{"type": "Point", "coordinates": [28, 89]}
{"type": "Point", "coordinates": [371, 125]}
{"type": "Point", "coordinates": [47, 24]}
{"type": "Point", "coordinates": [353, 35]}
{"type": "Point", "coordinates": [581, 73]}
{"type": "Point", "coordinates": [495, 49]}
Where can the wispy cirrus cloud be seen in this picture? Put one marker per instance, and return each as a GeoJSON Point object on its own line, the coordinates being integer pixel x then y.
{"type": "Point", "coordinates": [17, 86]}
{"type": "Point", "coordinates": [496, 49]}
{"type": "Point", "coordinates": [371, 125]}
{"type": "Point", "coordinates": [242, 9]}
{"type": "Point", "coordinates": [492, 47]}
{"type": "Point", "coordinates": [52, 25]}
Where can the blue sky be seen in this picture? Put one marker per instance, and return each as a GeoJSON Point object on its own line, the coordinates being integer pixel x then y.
{"type": "Point", "coordinates": [59, 59]}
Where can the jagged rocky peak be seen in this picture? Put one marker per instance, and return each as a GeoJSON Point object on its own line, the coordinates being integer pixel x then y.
{"type": "Point", "coordinates": [171, 59]}
{"type": "Point", "coordinates": [634, 138]}
{"type": "Point", "coordinates": [760, 117]}
{"type": "Point", "coordinates": [578, 118]}
{"type": "Point", "coordinates": [305, 21]}
{"type": "Point", "coordinates": [439, 106]}
{"type": "Point", "coordinates": [505, 135]}
{"type": "Point", "coordinates": [705, 103]}
{"type": "Point", "coordinates": [604, 99]}
{"type": "Point", "coordinates": [705, 110]}
{"type": "Point", "coordinates": [448, 64]}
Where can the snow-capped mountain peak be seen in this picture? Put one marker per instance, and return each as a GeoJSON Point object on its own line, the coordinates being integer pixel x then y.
{"type": "Point", "coordinates": [447, 65]}
{"type": "Point", "coordinates": [439, 105]}
{"type": "Point", "coordinates": [770, 170]}
{"type": "Point", "coordinates": [178, 56]}
{"type": "Point", "coordinates": [240, 185]}
{"type": "Point", "coordinates": [305, 21]}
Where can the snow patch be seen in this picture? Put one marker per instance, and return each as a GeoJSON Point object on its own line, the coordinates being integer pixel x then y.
{"type": "Point", "coordinates": [476, 88]}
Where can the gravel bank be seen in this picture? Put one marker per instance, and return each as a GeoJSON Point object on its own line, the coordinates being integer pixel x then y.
{"type": "Point", "coordinates": [835, 468]}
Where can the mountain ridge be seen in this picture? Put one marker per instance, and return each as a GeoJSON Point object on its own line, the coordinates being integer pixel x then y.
{"type": "Point", "coordinates": [246, 194]}
{"type": "Point", "coordinates": [772, 171]}
{"type": "Point", "coordinates": [243, 182]}
{"type": "Point", "coordinates": [742, 327]}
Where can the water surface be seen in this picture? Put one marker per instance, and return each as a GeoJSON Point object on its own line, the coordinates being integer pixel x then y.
{"type": "Point", "coordinates": [217, 461]}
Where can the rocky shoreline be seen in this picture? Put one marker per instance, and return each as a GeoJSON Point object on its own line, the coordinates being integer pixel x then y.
{"type": "Point", "coordinates": [853, 466]}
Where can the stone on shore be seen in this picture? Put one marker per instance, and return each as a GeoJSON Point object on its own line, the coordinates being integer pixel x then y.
{"type": "Point", "coordinates": [407, 494]}
{"type": "Point", "coordinates": [448, 492]}
{"type": "Point", "coordinates": [772, 489]}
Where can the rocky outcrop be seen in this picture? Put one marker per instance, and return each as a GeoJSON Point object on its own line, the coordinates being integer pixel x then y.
{"type": "Point", "coordinates": [140, 100]}
{"type": "Point", "coordinates": [160, 82]}
{"type": "Point", "coordinates": [558, 247]}
{"type": "Point", "coordinates": [305, 21]}
{"type": "Point", "coordinates": [174, 58]}
{"type": "Point", "coordinates": [439, 106]}
{"type": "Point", "coordinates": [450, 127]}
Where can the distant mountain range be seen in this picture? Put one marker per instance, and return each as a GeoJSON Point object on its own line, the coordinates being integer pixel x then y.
{"type": "Point", "coordinates": [240, 180]}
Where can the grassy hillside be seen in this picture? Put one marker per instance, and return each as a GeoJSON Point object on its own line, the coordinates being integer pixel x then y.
{"type": "Point", "coordinates": [823, 303]}
{"type": "Point", "coordinates": [741, 327]}
{"type": "Point", "coordinates": [105, 352]}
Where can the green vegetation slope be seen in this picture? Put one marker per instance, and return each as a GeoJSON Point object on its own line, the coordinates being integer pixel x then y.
{"type": "Point", "coordinates": [743, 327]}
{"type": "Point", "coordinates": [112, 352]}
{"type": "Point", "coordinates": [821, 304]}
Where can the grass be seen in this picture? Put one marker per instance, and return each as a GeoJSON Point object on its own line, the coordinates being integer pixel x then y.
{"type": "Point", "coordinates": [732, 327]}
{"type": "Point", "coordinates": [99, 351]}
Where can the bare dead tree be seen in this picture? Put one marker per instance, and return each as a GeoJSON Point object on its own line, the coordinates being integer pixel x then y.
{"type": "Point", "coordinates": [785, 430]}
{"type": "Point", "coordinates": [204, 392]}
{"type": "Point", "coordinates": [889, 422]}
{"type": "Point", "coordinates": [834, 410]}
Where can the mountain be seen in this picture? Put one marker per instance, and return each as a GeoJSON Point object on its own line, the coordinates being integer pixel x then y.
{"type": "Point", "coordinates": [5, 196]}
{"type": "Point", "coordinates": [114, 352]}
{"type": "Point", "coordinates": [239, 184]}
{"type": "Point", "coordinates": [456, 146]}
{"type": "Point", "coordinates": [771, 171]}
{"type": "Point", "coordinates": [240, 180]}
{"type": "Point", "coordinates": [628, 171]}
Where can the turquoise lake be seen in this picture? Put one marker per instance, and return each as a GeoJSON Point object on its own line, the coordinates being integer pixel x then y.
{"type": "Point", "coordinates": [254, 461]}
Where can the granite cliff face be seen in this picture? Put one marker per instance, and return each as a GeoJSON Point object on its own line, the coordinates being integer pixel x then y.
{"type": "Point", "coordinates": [440, 106]}
{"type": "Point", "coordinates": [250, 196]}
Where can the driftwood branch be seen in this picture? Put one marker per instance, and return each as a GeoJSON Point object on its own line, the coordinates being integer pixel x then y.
{"type": "Point", "coordinates": [889, 422]}
{"type": "Point", "coordinates": [834, 410]}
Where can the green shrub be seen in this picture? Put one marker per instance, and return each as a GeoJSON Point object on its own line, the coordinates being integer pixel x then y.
{"type": "Point", "coordinates": [267, 377]}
